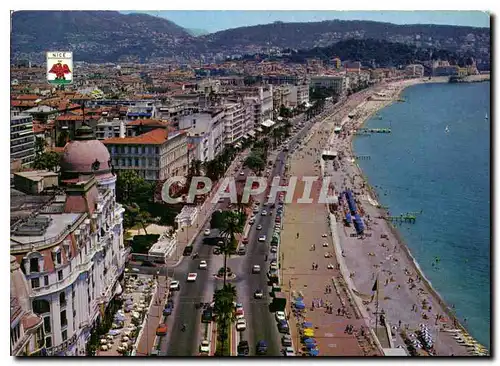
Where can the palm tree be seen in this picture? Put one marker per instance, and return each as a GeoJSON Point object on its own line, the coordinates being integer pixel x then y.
{"type": "Point", "coordinates": [224, 308]}
{"type": "Point", "coordinates": [233, 223]}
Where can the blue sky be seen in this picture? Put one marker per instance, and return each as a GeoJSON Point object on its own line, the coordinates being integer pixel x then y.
{"type": "Point", "coordinates": [215, 20]}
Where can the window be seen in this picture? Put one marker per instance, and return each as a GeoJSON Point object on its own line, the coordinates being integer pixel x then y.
{"type": "Point", "coordinates": [64, 335]}
{"type": "Point", "coordinates": [15, 334]}
{"type": "Point", "coordinates": [48, 342]}
{"type": "Point", "coordinates": [62, 299]}
{"type": "Point", "coordinates": [35, 282]}
{"type": "Point", "coordinates": [64, 319]}
{"type": "Point", "coordinates": [41, 306]}
{"type": "Point", "coordinates": [60, 275]}
{"type": "Point", "coordinates": [58, 257]}
{"type": "Point", "coordinates": [46, 324]}
{"type": "Point", "coordinates": [45, 280]}
{"type": "Point", "coordinates": [34, 265]}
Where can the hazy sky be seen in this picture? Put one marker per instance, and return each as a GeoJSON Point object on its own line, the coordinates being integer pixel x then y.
{"type": "Point", "coordinates": [213, 21]}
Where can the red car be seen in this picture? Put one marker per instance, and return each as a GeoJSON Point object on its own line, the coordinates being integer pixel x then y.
{"type": "Point", "coordinates": [161, 330]}
{"type": "Point", "coordinates": [245, 241]}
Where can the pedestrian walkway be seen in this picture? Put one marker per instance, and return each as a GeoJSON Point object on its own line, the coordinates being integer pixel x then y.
{"type": "Point", "coordinates": [153, 318]}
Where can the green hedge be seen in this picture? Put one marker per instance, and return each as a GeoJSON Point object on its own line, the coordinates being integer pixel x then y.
{"type": "Point", "coordinates": [142, 243]}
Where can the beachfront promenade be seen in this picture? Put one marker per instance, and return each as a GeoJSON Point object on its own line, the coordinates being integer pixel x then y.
{"type": "Point", "coordinates": [404, 296]}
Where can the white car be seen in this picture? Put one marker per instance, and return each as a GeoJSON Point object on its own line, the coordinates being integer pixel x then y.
{"type": "Point", "coordinates": [207, 232]}
{"type": "Point", "coordinates": [274, 250]}
{"type": "Point", "coordinates": [192, 277]}
{"type": "Point", "coordinates": [203, 265]}
{"type": "Point", "coordinates": [256, 269]}
{"type": "Point", "coordinates": [242, 173]}
{"type": "Point", "coordinates": [274, 265]}
{"type": "Point", "coordinates": [174, 286]}
{"type": "Point", "coordinates": [259, 227]}
{"type": "Point", "coordinates": [136, 270]}
{"type": "Point", "coordinates": [264, 213]}
{"type": "Point", "coordinates": [288, 351]}
{"type": "Point", "coordinates": [241, 325]}
{"type": "Point", "coordinates": [262, 238]}
{"type": "Point", "coordinates": [241, 315]}
{"type": "Point", "coordinates": [280, 315]}
{"type": "Point", "coordinates": [205, 346]}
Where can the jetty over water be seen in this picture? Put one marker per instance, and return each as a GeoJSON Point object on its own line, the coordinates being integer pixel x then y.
{"type": "Point", "coordinates": [374, 130]}
{"type": "Point", "coordinates": [402, 218]}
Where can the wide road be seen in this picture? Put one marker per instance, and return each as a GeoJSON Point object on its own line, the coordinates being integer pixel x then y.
{"type": "Point", "coordinates": [178, 343]}
{"type": "Point", "coordinates": [261, 324]}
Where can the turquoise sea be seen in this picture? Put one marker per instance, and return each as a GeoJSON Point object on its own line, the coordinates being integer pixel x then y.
{"type": "Point", "coordinates": [437, 160]}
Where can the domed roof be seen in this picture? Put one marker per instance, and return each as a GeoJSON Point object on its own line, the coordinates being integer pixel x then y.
{"type": "Point", "coordinates": [85, 155]}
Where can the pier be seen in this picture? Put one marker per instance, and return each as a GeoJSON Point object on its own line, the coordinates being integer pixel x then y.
{"type": "Point", "coordinates": [374, 130]}
{"type": "Point", "coordinates": [402, 218]}
{"type": "Point", "coordinates": [362, 157]}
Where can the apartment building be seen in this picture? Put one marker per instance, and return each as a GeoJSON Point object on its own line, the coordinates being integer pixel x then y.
{"type": "Point", "coordinates": [155, 155]}
{"type": "Point", "coordinates": [106, 130]}
{"type": "Point", "coordinates": [299, 94]}
{"type": "Point", "coordinates": [69, 248]}
{"type": "Point", "coordinates": [414, 71]}
{"type": "Point", "coordinates": [235, 115]}
{"type": "Point", "coordinates": [206, 130]}
{"type": "Point", "coordinates": [22, 139]}
{"type": "Point", "coordinates": [27, 337]}
{"type": "Point", "coordinates": [339, 83]}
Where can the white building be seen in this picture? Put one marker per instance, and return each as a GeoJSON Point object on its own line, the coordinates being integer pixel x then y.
{"type": "Point", "coordinates": [71, 249]}
{"type": "Point", "coordinates": [106, 130]}
{"type": "Point", "coordinates": [206, 132]}
{"type": "Point", "coordinates": [22, 139]}
{"type": "Point", "coordinates": [339, 83]}
{"type": "Point", "coordinates": [299, 94]}
{"type": "Point", "coordinates": [235, 115]}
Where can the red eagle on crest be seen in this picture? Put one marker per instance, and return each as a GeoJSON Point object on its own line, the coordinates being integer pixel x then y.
{"type": "Point", "coordinates": [60, 70]}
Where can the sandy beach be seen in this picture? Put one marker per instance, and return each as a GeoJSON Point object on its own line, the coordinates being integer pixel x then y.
{"type": "Point", "coordinates": [405, 296]}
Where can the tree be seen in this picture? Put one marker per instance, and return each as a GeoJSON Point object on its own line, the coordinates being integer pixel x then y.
{"type": "Point", "coordinates": [62, 139]}
{"type": "Point", "coordinates": [224, 299]}
{"type": "Point", "coordinates": [255, 162]}
{"type": "Point", "coordinates": [40, 145]}
{"type": "Point", "coordinates": [232, 224]}
{"type": "Point", "coordinates": [130, 187]}
{"type": "Point", "coordinates": [47, 160]}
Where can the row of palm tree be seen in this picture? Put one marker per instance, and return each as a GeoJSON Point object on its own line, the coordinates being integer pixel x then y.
{"type": "Point", "coordinates": [224, 299]}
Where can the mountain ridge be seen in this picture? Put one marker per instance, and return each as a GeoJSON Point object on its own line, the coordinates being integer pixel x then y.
{"type": "Point", "coordinates": [110, 36]}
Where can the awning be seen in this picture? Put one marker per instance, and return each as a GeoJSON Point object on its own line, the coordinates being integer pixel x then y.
{"type": "Point", "coordinates": [245, 136]}
{"type": "Point", "coordinates": [268, 123]}
{"type": "Point", "coordinates": [118, 290]}
{"type": "Point", "coordinates": [238, 145]}
{"type": "Point", "coordinates": [251, 133]}
{"type": "Point", "coordinates": [259, 129]}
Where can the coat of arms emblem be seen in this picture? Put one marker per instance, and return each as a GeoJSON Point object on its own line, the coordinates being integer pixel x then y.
{"type": "Point", "coordinates": [60, 68]}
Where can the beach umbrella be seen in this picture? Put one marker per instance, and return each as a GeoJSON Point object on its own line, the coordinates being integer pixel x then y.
{"type": "Point", "coordinates": [309, 340]}
{"type": "Point", "coordinates": [307, 324]}
{"type": "Point", "coordinates": [314, 352]}
{"type": "Point", "coordinates": [300, 305]}
{"type": "Point", "coordinates": [309, 333]}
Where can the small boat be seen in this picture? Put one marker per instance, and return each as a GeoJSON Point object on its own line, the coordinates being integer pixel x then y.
{"type": "Point", "coordinates": [486, 116]}
{"type": "Point", "coordinates": [447, 129]}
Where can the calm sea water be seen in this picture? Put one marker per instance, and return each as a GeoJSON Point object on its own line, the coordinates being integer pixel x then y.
{"type": "Point", "coordinates": [420, 166]}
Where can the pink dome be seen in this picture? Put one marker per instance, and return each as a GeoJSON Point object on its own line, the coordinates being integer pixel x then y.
{"type": "Point", "coordinates": [85, 155]}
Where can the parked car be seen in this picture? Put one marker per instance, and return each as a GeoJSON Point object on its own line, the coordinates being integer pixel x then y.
{"type": "Point", "coordinates": [286, 340]}
{"type": "Point", "coordinates": [169, 307]}
{"type": "Point", "coordinates": [280, 315]}
{"type": "Point", "coordinates": [205, 346]}
{"type": "Point", "coordinates": [283, 327]}
{"type": "Point", "coordinates": [243, 348]}
{"type": "Point", "coordinates": [161, 330]}
{"type": "Point", "coordinates": [288, 352]}
{"type": "Point", "coordinates": [207, 232]}
{"type": "Point", "coordinates": [241, 324]}
{"type": "Point", "coordinates": [206, 316]}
